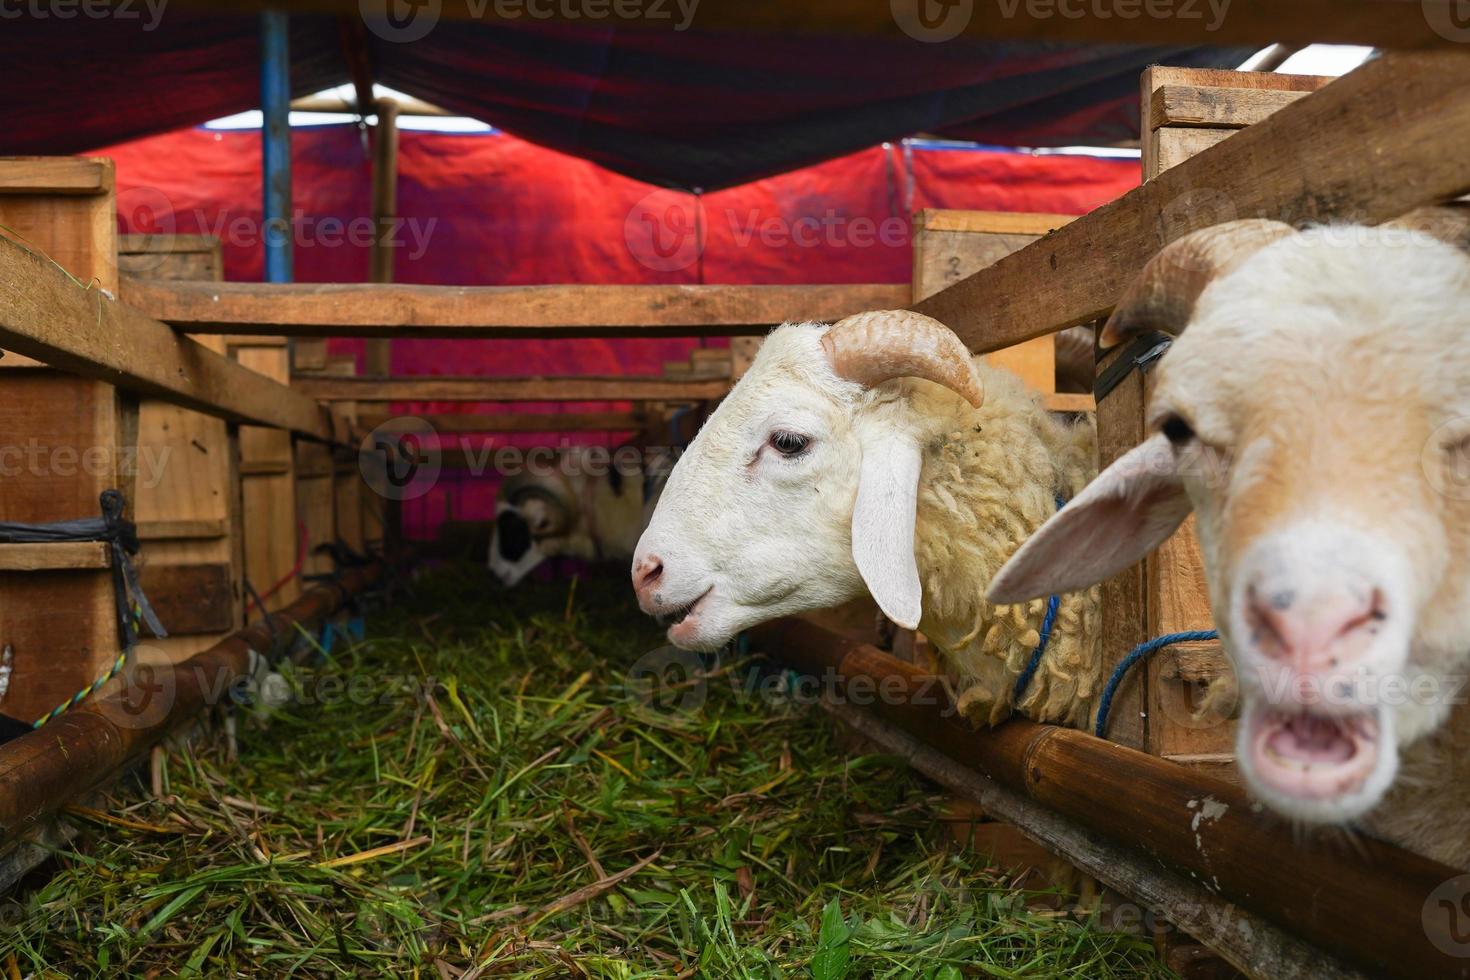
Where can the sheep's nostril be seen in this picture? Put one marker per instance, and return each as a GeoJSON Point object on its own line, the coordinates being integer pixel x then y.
{"type": "Point", "coordinates": [647, 573]}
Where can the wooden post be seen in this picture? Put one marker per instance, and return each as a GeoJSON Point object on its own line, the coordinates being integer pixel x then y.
{"type": "Point", "coordinates": [268, 484]}
{"type": "Point", "coordinates": [188, 509]}
{"type": "Point", "coordinates": [63, 440]}
{"type": "Point", "coordinates": [1185, 111]}
{"type": "Point", "coordinates": [950, 245]}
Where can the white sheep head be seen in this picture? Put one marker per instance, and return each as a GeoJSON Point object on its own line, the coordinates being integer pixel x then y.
{"type": "Point", "coordinates": [1315, 417]}
{"type": "Point", "coordinates": [799, 492]}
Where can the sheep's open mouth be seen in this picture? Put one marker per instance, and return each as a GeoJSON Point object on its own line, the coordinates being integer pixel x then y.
{"type": "Point", "coordinates": [682, 615]}
{"type": "Point", "coordinates": [1313, 756]}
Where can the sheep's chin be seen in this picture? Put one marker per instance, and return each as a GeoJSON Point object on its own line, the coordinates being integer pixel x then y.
{"type": "Point", "coordinates": [705, 626]}
{"type": "Point", "coordinates": [1317, 767]}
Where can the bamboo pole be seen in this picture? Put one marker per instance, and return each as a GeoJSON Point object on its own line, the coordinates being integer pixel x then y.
{"type": "Point", "coordinates": [1362, 903]}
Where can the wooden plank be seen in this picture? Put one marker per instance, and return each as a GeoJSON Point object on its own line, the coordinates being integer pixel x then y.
{"type": "Point", "coordinates": [54, 556]}
{"type": "Point", "coordinates": [170, 256]}
{"type": "Point", "coordinates": [1257, 23]}
{"type": "Point", "coordinates": [75, 437]}
{"type": "Point", "coordinates": [950, 245]}
{"type": "Point", "coordinates": [183, 529]}
{"type": "Point", "coordinates": [1204, 106]}
{"type": "Point", "coordinates": [268, 492]}
{"type": "Point", "coordinates": [55, 175]}
{"type": "Point", "coordinates": [1068, 402]}
{"type": "Point", "coordinates": [568, 389]}
{"type": "Point", "coordinates": [1124, 598]}
{"type": "Point", "coordinates": [189, 509]}
{"type": "Point", "coordinates": [316, 503]}
{"type": "Point", "coordinates": [191, 600]}
{"type": "Point", "coordinates": [391, 310]}
{"type": "Point", "coordinates": [1029, 223]}
{"type": "Point", "coordinates": [1370, 146]}
{"type": "Point", "coordinates": [522, 422]}
{"type": "Point", "coordinates": [1165, 148]}
{"type": "Point", "coordinates": [46, 315]}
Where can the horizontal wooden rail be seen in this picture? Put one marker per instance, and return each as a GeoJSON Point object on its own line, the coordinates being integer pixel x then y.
{"type": "Point", "coordinates": [1377, 142]}
{"type": "Point", "coordinates": [1313, 886]}
{"type": "Point", "coordinates": [47, 315]}
{"type": "Point", "coordinates": [386, 310]}
{"type": "Point", "coordinates": [1384, 23]}
{"type": "Point", "coordinates": [44, 770]}
{"type": "Point", "coordinates": [509, 422]}
{"type": "Point", "coordinates": [567, 389]}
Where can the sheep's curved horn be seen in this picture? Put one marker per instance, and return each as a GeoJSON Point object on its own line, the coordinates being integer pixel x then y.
{"type": "Point", "coordinates": [871, 348]}
{"type": "Point", "coordinates": [1164, 294]}
{"type": "Point", "coordinates": [1450, 223]}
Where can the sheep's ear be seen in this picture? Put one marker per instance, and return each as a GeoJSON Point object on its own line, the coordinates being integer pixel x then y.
{"type": "Point", "coordinates": [883, 524]}
{"type": "Point", "coordinates": [1129, 510]}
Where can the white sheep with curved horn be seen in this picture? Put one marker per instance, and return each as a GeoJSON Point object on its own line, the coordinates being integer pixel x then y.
{"type": "Point", "coordinates": [1315, 417]}
{"type": "Point", "coordinates": [877, 457]}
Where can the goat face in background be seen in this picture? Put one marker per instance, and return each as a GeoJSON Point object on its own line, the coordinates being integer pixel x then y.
{"type": "Point", "coordinates": [1313, 417]}
{"type": "Point", "coordinates": [592, 504]}
{"type": "Point", "coordinates": [534, 518]}
{"type": "Point", "coordinates": [800, 488]}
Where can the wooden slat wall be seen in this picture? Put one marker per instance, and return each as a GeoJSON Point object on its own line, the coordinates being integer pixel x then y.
{"type": "Point", "coordinates": [268, 487]}
{"type": "Point", "coordinates": [950, 245]}
{"type": "Point", "coordinates": [1155, 709]}
{"type": "Point", "coordinates": [189, 481]}
{"type": "Point", "coordinates": [61, 622]}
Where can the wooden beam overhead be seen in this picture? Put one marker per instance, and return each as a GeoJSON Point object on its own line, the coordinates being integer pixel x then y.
{"type": "Point", "coordinates": [566, 389]}
{"type": "Point", "coordinates": [520, 422]}
{"type": "Point", "coordinates": [390, 310]}
{"type": "Point", "coordinates": [1378, 23]}
{"type": "Point", "coordinates": [1372, 145]}
{"type": "Point", "coordinates": [47, 315]}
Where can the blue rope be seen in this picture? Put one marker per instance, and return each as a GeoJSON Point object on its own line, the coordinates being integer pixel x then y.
{"type": "Point", "coordinates": [1139, 653]}
{"type": "Point", "coordinates": [1047, 622]}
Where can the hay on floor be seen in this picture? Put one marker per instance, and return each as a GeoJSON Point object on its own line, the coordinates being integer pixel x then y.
{"type": "Point", "coordinates": [479, 789]}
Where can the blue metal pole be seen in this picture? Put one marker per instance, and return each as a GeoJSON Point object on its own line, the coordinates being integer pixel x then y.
{"type": "Point", "coordinates": [275, 141]}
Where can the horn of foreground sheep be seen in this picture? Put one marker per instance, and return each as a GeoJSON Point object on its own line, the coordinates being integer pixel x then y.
{"type": "Point", "coordinates": [1164, 294]}
{"type": "Point", "coordinates": [1450, 223]}
{"type": "Point", "coordinates": [871, 348]}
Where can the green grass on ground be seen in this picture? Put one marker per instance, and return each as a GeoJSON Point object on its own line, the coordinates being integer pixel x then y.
{"type": "Point", "coordinates": [479, 790]}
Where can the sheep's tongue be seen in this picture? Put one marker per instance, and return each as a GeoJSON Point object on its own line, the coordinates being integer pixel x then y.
{"type": "Point", "coordinates": [1312, 740]}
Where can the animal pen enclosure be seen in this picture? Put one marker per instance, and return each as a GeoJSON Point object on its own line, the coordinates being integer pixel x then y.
{"type": "Point", "coordinates": [272, 528]}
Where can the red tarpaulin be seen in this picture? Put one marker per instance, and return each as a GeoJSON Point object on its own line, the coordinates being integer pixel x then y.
{"type": "Point", "coordinates": [491, 209]}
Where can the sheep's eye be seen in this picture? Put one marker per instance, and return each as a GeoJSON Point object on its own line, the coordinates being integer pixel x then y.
{"type": "Point", "coordinates": [1177, 431]}
{"type": "Point", "coordinates": [789, 443]}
